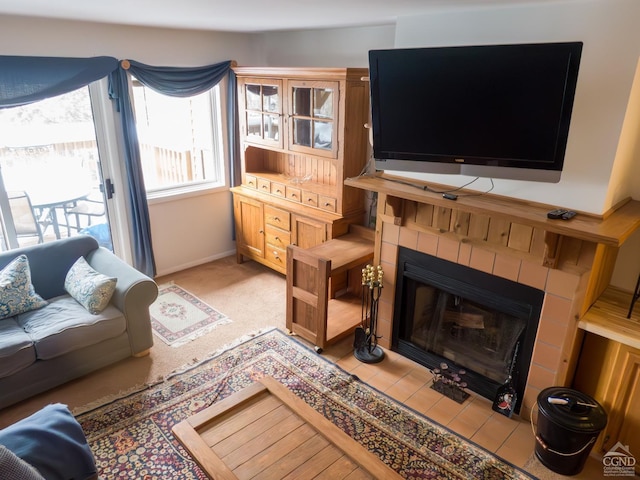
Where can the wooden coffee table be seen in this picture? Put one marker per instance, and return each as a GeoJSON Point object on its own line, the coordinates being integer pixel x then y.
{"type": "Point", "coordinates": [267, 432]}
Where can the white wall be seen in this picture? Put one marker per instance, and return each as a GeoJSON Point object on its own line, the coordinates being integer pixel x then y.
{"type": "Point", "coordinates": [611, 36]}
{"type": "Point", "coordinates": [191, 230]}
{"type": "Point", "coordinates": [339, 47]}
{"type": "Point", "coordinates": [154, 46]}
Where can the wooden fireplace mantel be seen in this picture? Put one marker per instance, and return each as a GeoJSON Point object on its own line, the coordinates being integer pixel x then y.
{"type": "Point", "coordinates": [522, 228]}
{"type": "Point", "coordinates": [611, 229]}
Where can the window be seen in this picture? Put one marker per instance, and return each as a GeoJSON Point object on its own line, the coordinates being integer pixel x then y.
{"type": "Point", "coordinates": [180, 140]}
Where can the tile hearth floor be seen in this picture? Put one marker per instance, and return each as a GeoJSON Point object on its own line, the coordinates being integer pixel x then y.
{"type": "Point", "coordinates": [409, 383]}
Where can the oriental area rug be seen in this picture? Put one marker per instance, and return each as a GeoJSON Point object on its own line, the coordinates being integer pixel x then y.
{"type": "Point", "coordinates": [131, 437]}
{"type": "Point", "coordinates": [177, 316]}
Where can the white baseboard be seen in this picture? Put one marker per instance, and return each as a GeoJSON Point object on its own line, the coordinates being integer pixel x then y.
{"type": "Point", "coordinates": [195, 263]}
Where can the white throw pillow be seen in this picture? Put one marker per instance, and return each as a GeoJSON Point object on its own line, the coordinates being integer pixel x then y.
{"type": "Point", "coordinates": [17, 294]}
{"type": "Point", "coordinates": [91, 289]}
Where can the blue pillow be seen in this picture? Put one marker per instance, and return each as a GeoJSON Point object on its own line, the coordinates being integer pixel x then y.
{"type": "Point", "coordinates": [17, 294]}
{"type": "Point", "coordinates": [52, 441]}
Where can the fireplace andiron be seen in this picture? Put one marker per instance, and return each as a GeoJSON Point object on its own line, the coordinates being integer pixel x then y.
{"type": "Point", "coordinates": [365, 345]}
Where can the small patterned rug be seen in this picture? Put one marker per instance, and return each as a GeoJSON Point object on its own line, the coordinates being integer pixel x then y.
{"type": "Point", "coordinates": [177, 316]}
{"type": "Point", "coordinates": [131, 437]}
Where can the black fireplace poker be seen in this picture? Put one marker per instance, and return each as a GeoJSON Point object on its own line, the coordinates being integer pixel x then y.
{"type": "Point", "coordinates": [365, 344]}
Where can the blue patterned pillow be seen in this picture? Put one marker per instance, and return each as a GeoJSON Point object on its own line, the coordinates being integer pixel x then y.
{"type": "Point", "coordinates": [91, 289]}
{"type": "Point", "coordinates": [17, 294]}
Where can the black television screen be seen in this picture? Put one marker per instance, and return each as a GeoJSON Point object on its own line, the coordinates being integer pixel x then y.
{"type": "Point", "coordinates": [499, 111]}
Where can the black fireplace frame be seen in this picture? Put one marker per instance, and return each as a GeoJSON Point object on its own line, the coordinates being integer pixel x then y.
{"type": "Point", "coordinates": [505, 295]}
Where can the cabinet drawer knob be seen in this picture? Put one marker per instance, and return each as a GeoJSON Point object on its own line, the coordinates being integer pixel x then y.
{"type": "Point", "coordinates": [261, 232]}
{"type": "Point", "coordinates": [327, 204]}
{"type": "Point", "coordinates": [278, 238]}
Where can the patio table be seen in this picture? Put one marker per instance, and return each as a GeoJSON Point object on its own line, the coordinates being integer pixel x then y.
{"type": "Point", "coordinates": [52, 199]}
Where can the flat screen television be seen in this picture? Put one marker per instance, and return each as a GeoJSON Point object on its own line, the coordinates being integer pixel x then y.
{"type": "Point", "coordinates": [500, 111]}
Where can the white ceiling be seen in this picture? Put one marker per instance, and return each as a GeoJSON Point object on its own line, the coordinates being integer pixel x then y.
{"type": "Point", "coordinates": [238, 15]}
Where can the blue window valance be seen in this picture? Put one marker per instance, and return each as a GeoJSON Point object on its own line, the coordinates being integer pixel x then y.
{"type": "Point", "coordinates": [178, 81]}
{"type": "Point", "coordinates": [25, 80]}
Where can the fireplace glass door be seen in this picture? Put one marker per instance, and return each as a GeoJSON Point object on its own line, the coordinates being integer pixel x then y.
{"type": "Point", "coordinates": [447, 312]}
{"type": "Point", "coordinates": [463, 331]}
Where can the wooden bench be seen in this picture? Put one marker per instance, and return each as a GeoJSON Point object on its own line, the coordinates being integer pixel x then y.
{"type": "Point", "coordinates": [324, 287]}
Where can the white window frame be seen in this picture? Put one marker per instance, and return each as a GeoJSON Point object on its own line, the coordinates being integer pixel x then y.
{"type": "Point", "coordinates": [111, 150]}
{"type": "Point", "coordinates": [220, 149]}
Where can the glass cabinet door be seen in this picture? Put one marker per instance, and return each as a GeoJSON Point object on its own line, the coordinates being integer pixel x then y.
{"type": "Point", "coordinates": [313, 111]}
{"type": "Point", "coordinates": [263, 111]}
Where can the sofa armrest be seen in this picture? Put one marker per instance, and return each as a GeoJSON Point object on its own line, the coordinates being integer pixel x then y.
{"type": "Point", "coordinates": [134, 293]}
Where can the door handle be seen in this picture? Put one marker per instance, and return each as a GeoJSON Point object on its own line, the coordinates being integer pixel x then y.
{"type": "Point", "coordinates": [107, 188]}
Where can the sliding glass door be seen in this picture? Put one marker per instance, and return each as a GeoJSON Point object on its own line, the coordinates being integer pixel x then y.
{"type": "Point", "coordinates": [51, 178]}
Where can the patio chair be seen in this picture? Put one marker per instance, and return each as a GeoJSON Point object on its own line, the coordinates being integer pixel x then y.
{"type": "Point", "coordinates": [25, 219]}
{"type": "Point", "coordinates": [90, 207]}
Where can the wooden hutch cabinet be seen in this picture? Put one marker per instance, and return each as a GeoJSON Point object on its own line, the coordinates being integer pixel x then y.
{"type": "Point", "coordinates": [302, 133]}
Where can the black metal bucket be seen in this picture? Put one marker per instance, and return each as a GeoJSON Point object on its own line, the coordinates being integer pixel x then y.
{"type": "Point", "coordinates": [569, 423]}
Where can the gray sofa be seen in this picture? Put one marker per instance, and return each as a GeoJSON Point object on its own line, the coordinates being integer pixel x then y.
{"type": "Point", "coordinates": [77, 342]}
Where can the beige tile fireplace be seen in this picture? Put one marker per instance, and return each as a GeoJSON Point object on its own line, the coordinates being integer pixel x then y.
{"type": "Point", "coordinates": [564, 295]}
{"type": "Point", "coordinates": [570, 263]}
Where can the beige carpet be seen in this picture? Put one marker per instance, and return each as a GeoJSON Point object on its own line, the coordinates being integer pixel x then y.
{"type": "Point", "coordinates": [251, 295]}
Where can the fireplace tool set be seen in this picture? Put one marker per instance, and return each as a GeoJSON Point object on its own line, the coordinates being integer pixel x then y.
{"type": "Point", "coordinates": [365, 345]}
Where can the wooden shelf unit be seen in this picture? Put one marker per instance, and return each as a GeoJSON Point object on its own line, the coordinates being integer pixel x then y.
{"type": "Point", "coordinates": [609, 368]}
{"type": "Point", "coordinates": [324, 287]}
{"type": "Point", "coordinates": [607, 317]}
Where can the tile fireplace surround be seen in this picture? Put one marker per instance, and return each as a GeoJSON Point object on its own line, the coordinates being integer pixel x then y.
{"type": "Point", "coordinates": [564, 294]}
{"type": "Point", "coordinates": [492, 236]}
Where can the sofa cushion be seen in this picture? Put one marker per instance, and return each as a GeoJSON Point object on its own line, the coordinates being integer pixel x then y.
{"type": "Point", "coordinates": [91, 289]}
{"type": "Point", "coordinates": [17, 294]}
{"type": "Point", "coordinates": [64, 325]}
{"type": "Point", "coordinates": [16, 348]}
